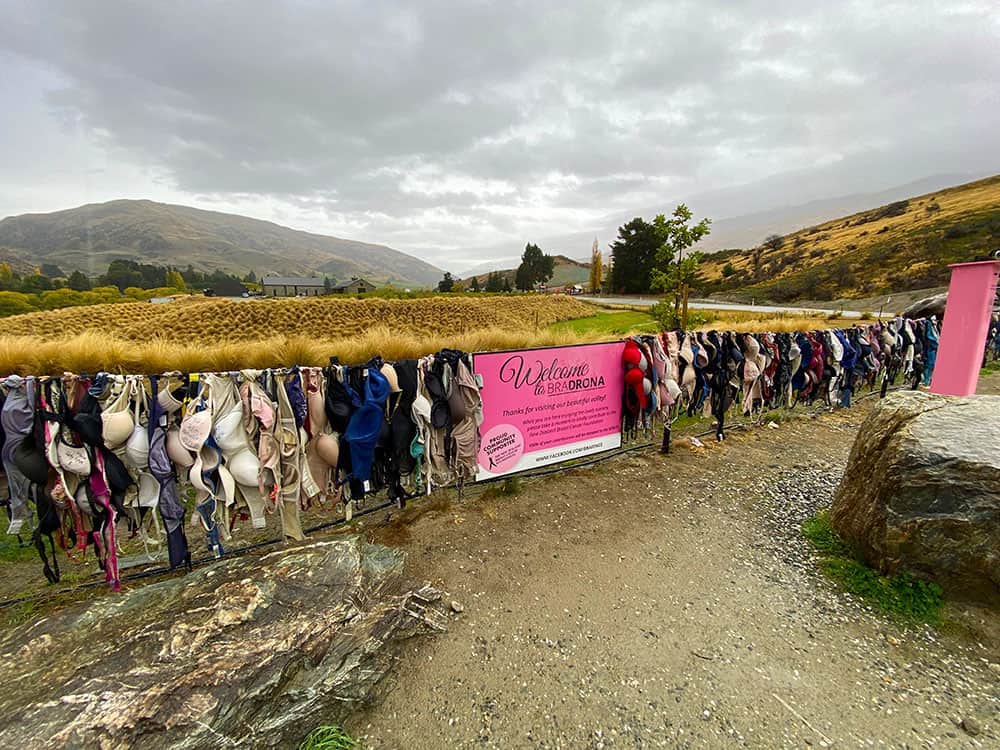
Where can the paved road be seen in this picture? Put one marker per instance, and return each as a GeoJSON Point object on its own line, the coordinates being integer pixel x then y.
{"type": "Point", "coordinates": [649, 301]}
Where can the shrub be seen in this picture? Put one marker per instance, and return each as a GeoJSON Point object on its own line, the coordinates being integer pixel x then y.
{"type": "Point", "coordinates": [663, 313]}
{"type": "Point", "coordinates": [728, 270]}
{"type": "Point", "coordinates": [841, 274]}
{"type": "Point", "coordinates": [64, 297]}
{"type": "Point", "coordinates": [14, 303]}
{"type": "Point", "coordinates": [879, 253]}
{"type": "Point", "coordinates": [898, 208]}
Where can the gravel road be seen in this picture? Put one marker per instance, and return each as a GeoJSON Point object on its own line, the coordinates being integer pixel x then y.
{"type": "Point", "coordinates": [656, 601]}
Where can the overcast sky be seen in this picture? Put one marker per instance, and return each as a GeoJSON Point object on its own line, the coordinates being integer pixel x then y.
{"type": "Point", "coordinates": [447, 129]}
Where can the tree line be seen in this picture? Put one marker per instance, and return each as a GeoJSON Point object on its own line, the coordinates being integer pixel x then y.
{"type": "Point", "coordinates": [49, 288]}
{"type": "Point", "coordinates": [122, 274]}
{"type": "Point", "coordinates": [535, 269]}
{"type": "Point", "coordinates": [646, 256]}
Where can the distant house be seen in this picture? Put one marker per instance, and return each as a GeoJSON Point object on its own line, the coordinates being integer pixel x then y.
{"type": "Point", "coordinates": [292, 286]}
{"type": "Point", "coordinates": [354, 286]}
{"type": "Point", "coordinates": [226, 288]}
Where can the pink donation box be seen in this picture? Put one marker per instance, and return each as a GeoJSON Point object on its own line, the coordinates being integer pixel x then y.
{"type": "Point", "coordinates": [966, 322]}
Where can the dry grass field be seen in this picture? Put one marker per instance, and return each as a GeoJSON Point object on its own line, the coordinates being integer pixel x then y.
{"type": "Point", "coordinates": [751, 322]}
{"type": "Point", "coordinates": [215, 334]}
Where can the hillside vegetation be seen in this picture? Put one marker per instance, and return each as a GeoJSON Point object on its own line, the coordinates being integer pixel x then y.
{"type": "Point", "coordinates": [901, 246]}
{"type": "Point", "coordinates": [200, 334]}
{"type": "Point", "coordinates": [88, 238]}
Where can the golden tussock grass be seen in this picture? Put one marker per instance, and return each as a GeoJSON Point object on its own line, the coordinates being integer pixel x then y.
{"type": "Point", "coordinates": [488, 324]}
{"type": "Point", "coordinates": [129, 343]}
{"type": "Point", "coordinates": [209, 321]}
{"type": "Point", "coordinates": [750, 322]}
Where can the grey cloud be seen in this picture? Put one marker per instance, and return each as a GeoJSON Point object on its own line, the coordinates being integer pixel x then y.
{"type": "Point", "coordinates": [582, 108]}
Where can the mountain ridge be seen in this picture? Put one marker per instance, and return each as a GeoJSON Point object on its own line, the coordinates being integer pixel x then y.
{"type": "Point", "coordinates": [88, 237]}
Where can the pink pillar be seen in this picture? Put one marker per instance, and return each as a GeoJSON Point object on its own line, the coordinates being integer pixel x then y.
{"type": "Point", "coordinates": [966, 322]}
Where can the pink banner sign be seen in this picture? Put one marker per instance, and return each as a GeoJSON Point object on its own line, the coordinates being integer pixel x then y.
{"type": "Point", "coordinates": [544, 406]}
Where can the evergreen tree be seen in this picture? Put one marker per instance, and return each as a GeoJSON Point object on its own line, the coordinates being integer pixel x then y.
{"type": "Point", "coordinates": [633, 257]}
{"type": "Point", "coordinates": [78, 282]}
{"type": "Point", "coordinates": [447, 283]}
{"type": "Point", "coordinates": [506, 285]}
{"type": "Point", "coordinates": [494, 282]}
{"type": "Point", "coordinates": [475, 284]}
{"type": "Point", "coordinates": [536, 267]}
{"type": "Point", "coordinates": [36, 283]}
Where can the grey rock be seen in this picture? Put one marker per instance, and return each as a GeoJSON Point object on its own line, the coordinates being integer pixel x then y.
{"type": "Point", "coordinates": [971, 726]}
{"type": "Point", "coordinates": [245, 653]}
{"type": "Point", "coordinates": [921, 492]}
{"type": "Point", "coordinates": [457, 607]}
{"type": "Point", "coordinates": [924, 308]}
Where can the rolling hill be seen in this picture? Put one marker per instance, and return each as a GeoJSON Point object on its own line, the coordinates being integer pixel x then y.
{"type": "Point", "coordinates": [89, 237]}
{"type": "Point", "coordinates": [900, 246]}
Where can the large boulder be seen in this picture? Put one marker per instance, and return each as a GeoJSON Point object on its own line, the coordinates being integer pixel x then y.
{"type": "Point", "coordinates": [246, 653]}
{"type": "Point", "coordinates": [928, 306]}
{"type": "Point", "coordinates": [922, 491]}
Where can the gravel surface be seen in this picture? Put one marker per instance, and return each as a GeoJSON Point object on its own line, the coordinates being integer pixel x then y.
{"type": "Point", "coordinates": [670, 601]}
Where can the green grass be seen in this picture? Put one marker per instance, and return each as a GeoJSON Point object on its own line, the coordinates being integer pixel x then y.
{"type": "Point", "coordinates": [10, 551]}
{"type": "Point", "coordinates": [612, 323]}
{"type": "Point", "coordinates": [682, 421]}
{"type": "Point", "coordinates": [18, 614]}
{"type": "Point", "coordinates": [991, 366]}
{"type": "Point", "coordinates": [329, 737]}
{"type": "Point", "coordinates": [901, 596]}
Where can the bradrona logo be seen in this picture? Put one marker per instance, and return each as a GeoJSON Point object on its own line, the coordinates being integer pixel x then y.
{"type": "Point", "coordinates": [556, 377]}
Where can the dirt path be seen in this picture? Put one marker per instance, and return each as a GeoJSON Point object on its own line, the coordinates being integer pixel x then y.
{"type": "Point", "coordinates": [670, 602]}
